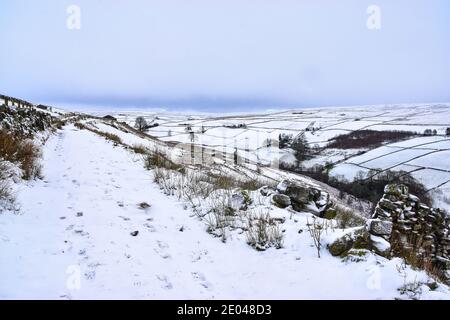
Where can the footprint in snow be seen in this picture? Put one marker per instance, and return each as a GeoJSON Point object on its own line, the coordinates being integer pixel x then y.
{"type": "Point", "coordinates": [165, 281]}
{"type": "Point", "coordinates": [161, 250]}
{"type": "Point", "coordinates": [150, 227]}
{"type": "Point", "coordinates": [200, 277]}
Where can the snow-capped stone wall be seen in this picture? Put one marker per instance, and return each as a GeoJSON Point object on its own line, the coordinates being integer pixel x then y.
{"type": "Point", "coordinates": [414, 231]}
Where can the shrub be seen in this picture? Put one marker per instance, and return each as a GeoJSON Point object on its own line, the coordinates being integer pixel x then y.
{"type": "Point", "coordinates": [315, 231]}
{"type": "Point", "coordinates": [263, 232]}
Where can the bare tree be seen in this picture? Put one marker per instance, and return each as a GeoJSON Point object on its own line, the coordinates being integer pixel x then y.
{"type": "Point", "coordinates": [315, 230]}
{"type": "Point", "coordinates": [140, 124]}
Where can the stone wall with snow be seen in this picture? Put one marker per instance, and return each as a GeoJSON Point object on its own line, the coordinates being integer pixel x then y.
{"type": "Point", "coordinates": [415, 231]}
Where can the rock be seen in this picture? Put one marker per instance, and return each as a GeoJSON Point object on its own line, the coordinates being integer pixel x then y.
{"type": "Point", "coordinates": [144, 205]}
{"type": "Point", "coordinates": [266, 191]}
{"type": "Point", "coordinates": [297, 193]}
{"type": "Point", "coordinates": [341, 245]}
{"type": "Point", "coordinates": [281, 200]}
{"type": "Point", "coordinates": [304, 198]}
{"type": "Point", "coordinates": [380, 246]}
{"type": "Point", "coordinates": [134, 233]}
{"type": "Point", "coordinates": [380, 227]}
{"type": "Point", "coordinates": [396, 190]}
{"type": "Point", "coordinates": [387, 205]}
{"type": "Point", "coordinates": [79, 214]}
{"type": "Point", "coordinates": [356, 239]}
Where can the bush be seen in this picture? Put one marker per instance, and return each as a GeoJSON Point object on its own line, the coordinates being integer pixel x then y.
{"type": "Point", "coordinates": [263, 232]}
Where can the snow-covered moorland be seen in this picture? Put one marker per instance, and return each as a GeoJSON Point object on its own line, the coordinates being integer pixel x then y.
{"type": "Point", "coordinates": [108, 220]}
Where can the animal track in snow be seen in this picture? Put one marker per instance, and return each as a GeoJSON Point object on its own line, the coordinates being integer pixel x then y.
{"type": "Point", "coordinates": [165, 281]}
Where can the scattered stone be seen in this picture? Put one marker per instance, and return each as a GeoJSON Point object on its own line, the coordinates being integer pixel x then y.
{"type": "Point", "coordinates": [79, 214]}
{"type": "Point", "coordinates": [305, 198]}
{"type": "Point", "coordinates": [281, 200]}
{"type": "Point", "coordinates": [144, 205]}
{"type": "Point", "coordinates": [134, 233]}
{"type": "Point", "coordinates": [341, 245]}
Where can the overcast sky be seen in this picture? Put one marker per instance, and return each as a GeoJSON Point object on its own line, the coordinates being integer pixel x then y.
{"type": "Point", "coordinates": [221, 55]}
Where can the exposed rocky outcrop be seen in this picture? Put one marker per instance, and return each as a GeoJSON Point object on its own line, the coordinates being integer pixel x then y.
{"type": "Point", "coordinates": [281, 200]}
{"type": "Point", "coordinates": [305, 198]}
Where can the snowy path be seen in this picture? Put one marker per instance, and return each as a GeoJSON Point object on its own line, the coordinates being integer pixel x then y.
{"type": "Point", "coordinates": [79, 218]}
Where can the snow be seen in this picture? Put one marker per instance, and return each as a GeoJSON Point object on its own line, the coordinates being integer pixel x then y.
{"type": "Point", "coordinates": [79, 220]}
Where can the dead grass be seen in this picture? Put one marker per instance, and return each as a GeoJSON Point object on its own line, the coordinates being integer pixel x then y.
{"type": "Point", "coordinates": [158, 159]}
{"type": "Point", "coordinates": [108, 136]}
{"type": "Point", "coordinates": [7, 199]}
{"type": "Point", "coordinates": [346, 218]}
{"type": "Point", "coordinates": [24, 152]}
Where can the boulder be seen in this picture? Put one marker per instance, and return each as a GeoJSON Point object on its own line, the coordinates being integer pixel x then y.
{"type": "Point", "coordinates": [295, 191]}
{"type": "Point", "coordinates": [380, 227]}
{"type": "Point", "coordinates": [380, 246]}
{"type": "Point", "coordinates": [281, 200]}
{"type": "Point", "coordinates": [304, 198]}
{"type": "Point", "coordinates": [341, 245]}
{"type": "Point", "coordinates": [356, 239]}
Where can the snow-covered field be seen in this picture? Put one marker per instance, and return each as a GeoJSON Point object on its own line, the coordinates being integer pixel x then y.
{"type": "Point", "coordinates": [73, 240]}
